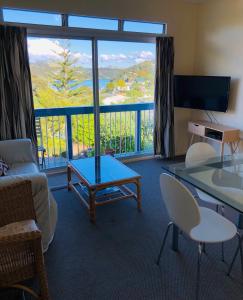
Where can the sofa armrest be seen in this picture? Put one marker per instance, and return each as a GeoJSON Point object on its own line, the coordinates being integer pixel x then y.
{"type": "Point", "coordinates": [14, 151]}
{"type": "Point", "coordinates": [38, 181]}
{"type": "Point", "coordinates": [20, 231]}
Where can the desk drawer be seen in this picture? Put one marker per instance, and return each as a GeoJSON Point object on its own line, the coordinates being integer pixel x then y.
{"type": "Point", "coordinates": [196, 128]}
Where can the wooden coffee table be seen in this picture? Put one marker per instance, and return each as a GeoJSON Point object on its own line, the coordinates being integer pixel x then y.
{"type": "Point", "coordinates": [102, 180]}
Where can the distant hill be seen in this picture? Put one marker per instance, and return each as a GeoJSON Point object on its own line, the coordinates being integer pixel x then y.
{"type": "Point", "coordinates": [143, 70]}
{"type": "Point", "coordinates": [40, 69]}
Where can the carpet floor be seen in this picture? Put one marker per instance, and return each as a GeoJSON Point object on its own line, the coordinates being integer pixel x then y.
{"type": "Point", "coordinates": [115, 259]}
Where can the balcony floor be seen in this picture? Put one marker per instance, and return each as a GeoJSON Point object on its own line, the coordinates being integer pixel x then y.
{"type": "Point", "coordinates": [57, 162]}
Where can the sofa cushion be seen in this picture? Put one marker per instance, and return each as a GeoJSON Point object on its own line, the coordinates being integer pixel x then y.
{"type": "Point", "coordinates": [3, 168]}
{"type": "Point", "coordinates": [19, 150]}
{"type": "Point", "coordinates": [22, 168]}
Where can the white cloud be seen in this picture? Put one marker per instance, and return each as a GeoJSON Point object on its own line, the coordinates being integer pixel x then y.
{"type": "Point", "coordinates": [113, 57]}
{"type": "Point", "coordinates": [83, 57]}
{"type": "Point", "coordinates": [135, 57]}
{"type": "Point", "coordinates": [44, 49]}
{"type": "Point", "coordinates": [140, 60]}
{"type": "Point", "coordinates": [146, 54]}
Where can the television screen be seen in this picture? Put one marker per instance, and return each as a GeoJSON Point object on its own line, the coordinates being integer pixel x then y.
{"type": "Point", "coordinates": [202, 92]}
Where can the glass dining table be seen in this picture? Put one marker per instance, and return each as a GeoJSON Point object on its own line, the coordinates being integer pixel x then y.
{"type": "Point", "coordinates": [221, 178]}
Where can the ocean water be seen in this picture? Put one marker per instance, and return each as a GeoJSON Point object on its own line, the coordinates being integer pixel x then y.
{"type": "Point", "coordinates": [89, 83]}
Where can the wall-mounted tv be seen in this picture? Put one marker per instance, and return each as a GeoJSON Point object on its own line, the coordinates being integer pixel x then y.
{"type": "Point", "coordinates": [202, 92]}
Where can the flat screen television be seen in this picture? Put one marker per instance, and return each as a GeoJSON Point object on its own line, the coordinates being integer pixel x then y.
{"type": "Point", "coordinates": [202, 92]}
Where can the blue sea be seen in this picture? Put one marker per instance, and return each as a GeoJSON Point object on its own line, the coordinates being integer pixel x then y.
{"type": "Point", "coordinates": [89, 83]}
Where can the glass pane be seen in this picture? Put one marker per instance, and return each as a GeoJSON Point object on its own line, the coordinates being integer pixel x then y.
{"type": "Point", "coordinates": [144, 27]}
{"type": "Point", "coordinates": [94, 23]}
{"type": "Point", "coordinates": [31, 17]}
{"type": "Point", "coordinates": [61, 72]}
{"type": "Point", "coordinates": [126, 72]}
{"type": "Point", "coordinates": [126, 76]}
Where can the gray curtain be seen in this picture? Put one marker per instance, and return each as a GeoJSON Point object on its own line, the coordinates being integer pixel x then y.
{"type": "Point", "coordinates": [16, 100]}
{"type": "Point", "coordinates": [164, 106]}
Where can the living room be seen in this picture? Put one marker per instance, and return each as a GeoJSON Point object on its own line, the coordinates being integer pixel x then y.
{"type": "Point", "coordinates": [114, 256]}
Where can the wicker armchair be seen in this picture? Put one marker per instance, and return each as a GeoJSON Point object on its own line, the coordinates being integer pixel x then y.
{"type": "Point", "coordinates": [21, 255]}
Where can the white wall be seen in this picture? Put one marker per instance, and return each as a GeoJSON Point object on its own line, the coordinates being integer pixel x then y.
{"type": "Point", "coordinates": [219, 51]}
{"type": "Point", "coordinates": [178, 14]}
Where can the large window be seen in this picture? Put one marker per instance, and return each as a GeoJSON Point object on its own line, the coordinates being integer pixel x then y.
{"type": "Point", "coordinates": [126, 76]}
{"type": "Point", "coordinates": [61, 72]}
{"type": "Point", "coordinates": [72, 120]}
{"type": "Point", "coordinates": [62, 77]}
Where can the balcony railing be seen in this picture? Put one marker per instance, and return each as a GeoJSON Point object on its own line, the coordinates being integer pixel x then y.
{"type": "Point", "coordinates": [68, 132]}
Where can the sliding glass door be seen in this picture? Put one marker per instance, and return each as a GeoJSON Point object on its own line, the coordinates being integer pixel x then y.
{"type": "Point", "coordinates": [73, 119]}
{"type": "Point", "coordinates": [62, 81]}
{"type": "Point", "coordinates": [126, 92]}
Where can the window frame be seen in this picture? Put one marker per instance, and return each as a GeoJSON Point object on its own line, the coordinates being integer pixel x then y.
{"type": "Point", "coordinates": [64, 29]}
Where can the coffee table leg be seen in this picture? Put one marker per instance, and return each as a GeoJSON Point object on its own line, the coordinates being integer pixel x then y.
{"type": "Point", "coordinates": [139, 196]}
{"type": "Point", "coordinates": [69, 178]}
{"type": "Point", "coordinates": [92, 216]}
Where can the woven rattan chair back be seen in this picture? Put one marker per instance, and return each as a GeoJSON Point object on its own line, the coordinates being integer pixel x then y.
{"type": "Point", "coordinates": [21, 256]}
{"type": "Point", "coordinates": [16, 203]}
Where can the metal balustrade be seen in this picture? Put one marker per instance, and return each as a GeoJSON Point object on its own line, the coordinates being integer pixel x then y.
{"type": "Point", "coordinates": [68, 132]}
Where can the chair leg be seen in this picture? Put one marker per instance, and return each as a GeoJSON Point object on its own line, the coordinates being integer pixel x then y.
{"type": "Point", "coordinates": [222, 252]}
{"type": "Point", "coordinates": [241, 252]}
{"type": "Point", "coordinates": [42, 159]}
{"type": "Point", "coordinates": [163, 243]}
{"type": "Point", "coordinates": [239, 248]}
{"type": "Point", "coordinates": [198, 269]}
{"type": "Point", "coordinates": [222, 245]}
{"type": "Point", "coordinates": [41, 272]}
{"type": "Point", "coordinates": [204, 248]}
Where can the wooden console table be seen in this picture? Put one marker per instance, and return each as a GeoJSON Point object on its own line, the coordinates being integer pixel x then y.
{"type": "Point", "coordinates": [216, 132]}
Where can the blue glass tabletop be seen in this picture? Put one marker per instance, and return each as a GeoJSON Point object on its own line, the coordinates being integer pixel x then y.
{"type": "Point", "coordinates": [102, 170]}
{"type": "Point", "coordinates": [219, 177]}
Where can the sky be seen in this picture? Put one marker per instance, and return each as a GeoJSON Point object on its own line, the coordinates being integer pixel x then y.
{"type": "Point", "coordinates": [111, 54]}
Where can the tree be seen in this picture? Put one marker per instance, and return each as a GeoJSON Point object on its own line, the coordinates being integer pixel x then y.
{"type": "Point", "coordinates": [121, 83]}
{"type": "Point", "coordinates": [66, 73]}
{"type": "Point", "coordinates": [110, 86]}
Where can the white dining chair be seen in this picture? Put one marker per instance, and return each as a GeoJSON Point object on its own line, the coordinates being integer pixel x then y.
{"type": "Point", "coordinates": [201, 224]}
{"type": "Point", "coordinates": [197, 155]}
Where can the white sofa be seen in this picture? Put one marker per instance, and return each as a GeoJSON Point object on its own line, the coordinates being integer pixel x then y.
{"type": "Point", "coordinates": [19, 157]}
